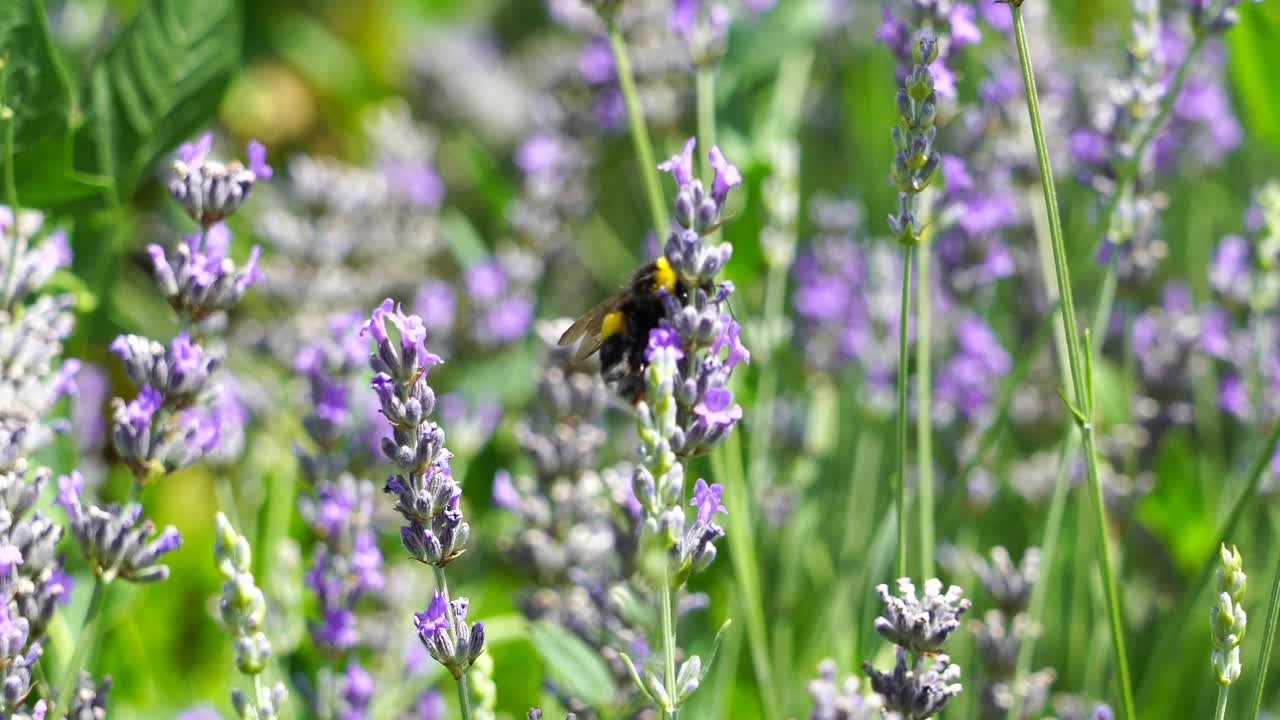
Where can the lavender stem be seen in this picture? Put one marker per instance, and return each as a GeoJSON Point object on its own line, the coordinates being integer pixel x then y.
{"type": "Point", "coordinates": [1081, 365]}
{"type": "Point", "coordinates": [84, 643]}
{"type": "Point", "coordinates": [924, 430]}
{"type": "Point", "coordinates": [639, 131]}
{"type": "Point", "coordinates": [901, 474]}
{"type": "Point", "coordinates": [464, 694]}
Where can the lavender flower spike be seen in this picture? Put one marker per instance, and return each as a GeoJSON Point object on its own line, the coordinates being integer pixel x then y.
{"type": "Point", "coordinates": [243, 609]}
{"type": "Point", "coordinates": [210, 190]}
{"type": "Point", "coordinates": [1227, 618]}
{"type": "Point", "coordinates": [453, 644]}
{"type": "Point", "coordinates": [916, 693]}
{"type": "Point", "coordinates": [427, 496]}
{"type": "Point", "coordinates": [116, 541]}
{"type": "Point", "coordinates": [198, 278]}
{"type": "Point", "coordinates": [920, 625]}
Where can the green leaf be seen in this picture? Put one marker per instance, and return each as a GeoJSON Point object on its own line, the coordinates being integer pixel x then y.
{"type": "Point", "coordinates": [1177, 511]}
{"type": "Point", "coordinates": [36, 87]}
{"type": "Point", "coordinates": [64, 281]}
{"type": "Point", "coordinates": [161, 81]}
{"type": "Point", "coordinates": [574, 666]}
{"type": "Point", "coordinates": [1255, 47]}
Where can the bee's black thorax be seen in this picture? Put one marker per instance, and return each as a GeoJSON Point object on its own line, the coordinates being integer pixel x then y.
{"type": "Point", "coordinates": [622, 358]}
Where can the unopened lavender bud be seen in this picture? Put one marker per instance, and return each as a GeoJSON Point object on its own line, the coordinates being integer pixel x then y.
{"type": "Point", "coordinates": [906, 108]}
{"type": "Point", "coordinates": [1231, 576]}
{"type": "Point", "coordinates": [688, 678]}
{"type": "Point", "coordinates": [926, 51]}
{"type": "Point", "coordinates": [685, 209]}
{"type": "Point", "coordinates": [475, 645]}
{"type": "Point", "coordinates": [671, 524]}
{"type": "Point", "coordinates": [653, 684]}
{"type": "Point", "coordinates": [252, 653]}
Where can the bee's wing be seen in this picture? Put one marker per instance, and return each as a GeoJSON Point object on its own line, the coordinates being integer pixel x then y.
{"type": "Point", "coordinates": [587, 328]}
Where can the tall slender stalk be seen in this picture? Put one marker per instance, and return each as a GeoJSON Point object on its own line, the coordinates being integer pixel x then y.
{"type": "Point", "coordinates": [924, 428]}
{"type": "Point", "coordinates": [1220, 712]}
{"type": "Point", "coordinates": [464, 693]}
{"type": "Point", "coordinates": [1268, 641]}
{"type": "Point", "coordinates": [705, 81]}
{"type": "Point", "coordinates": [639, 131]}
{"type": "Point", "coordinates": [900, 502]}
{"type": "Point", "coordinates": [726, 465]}
{"type": "Point", "coordinates": [1081, 365]}
{"type": "Point", "coordinates": [669, 642]}
{"type": "Point", "coordinates": [89, 632]}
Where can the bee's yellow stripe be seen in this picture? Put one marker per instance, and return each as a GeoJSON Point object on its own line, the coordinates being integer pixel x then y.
{"type": "Point", "coordinates": [664, 276]}
{"type": "Point", "coordinates": [612, 325]}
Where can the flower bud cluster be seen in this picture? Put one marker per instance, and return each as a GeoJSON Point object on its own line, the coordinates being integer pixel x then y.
{"type": "Point", "coordinates": [445, 633]}
{"type": "Point", "coordinates": [1214, 17]}
{"type": "Point", "coordinates": [427, 496]}
{"type": "Point", "coordinates": [211, 190]}
{"type": "Point", "coordinates": [1001, 632]}
{"type": "Point", "coordinates": [698, 338]}
{"type": "Point", "coordinates": [1227, 618]}
{"type": "Point", "coordinates": [843, 701]}
{"type": "Point", "coordinates": [243, 609]}
{"type": "Point", "coordinates": [704, 27]}
{"type": "Point", "coordinates": [915, 162]}
{"type": "Point", "coordinates": [117, 541]}
{"type": "Point", "coordinates": [576, 534]}
{"type": "Point", "coordinates": [920, 687]}
{"type": "Point", "coordinates": [180, 414]}
{"type": "Point", "coordinates": [32, 330]}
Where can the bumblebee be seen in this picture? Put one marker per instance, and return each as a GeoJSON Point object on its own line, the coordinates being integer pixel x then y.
{"type": "Point", "coordinates": [619, 327]}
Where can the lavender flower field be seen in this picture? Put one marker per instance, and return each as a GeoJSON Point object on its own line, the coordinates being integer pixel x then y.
{"type": "Point", "coordinates": [639, 359]}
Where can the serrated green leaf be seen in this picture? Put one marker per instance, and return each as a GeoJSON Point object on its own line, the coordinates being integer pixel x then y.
{"type": "Point", "coordinates": [161, 82]}
{"type": "Point", "coordinates": [35, 86]}
{"type": "Point", "coordinates": [575, 667]}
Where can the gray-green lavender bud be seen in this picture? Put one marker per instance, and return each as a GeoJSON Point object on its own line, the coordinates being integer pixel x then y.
{"type": "Point", "coordinates": [916, 162]}
{"type": "Point", "coordinates": [244, 609]}
{"type": "Point", "coordinates": [1227, 618]}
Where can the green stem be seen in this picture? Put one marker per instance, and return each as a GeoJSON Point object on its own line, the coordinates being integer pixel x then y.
{"type": "Point", "coordinates": [1081, 369]}
{"type": "Point", "coordinates": [706, 95]}
{"type": "Point", "coordinates": [1220, 713]}
{"type": "Point", "coordinates": [924, 429]}
{"type": "Point", "coordinates": [639, 131]}
{"type": "Point", "coordinates": [89, 632]}
{"type": "Point", "coordinates": [669, 641]}
{"type": "Point", "coordinates": [257, 691]}
{"type": "Point", "coordinates": [1106, 301]}
{"type": "Point", "coordinates": [900, 502]}
{"type": "Point", "coordinates": [1268, 640]}
{"type": "Point", "coordinates": [726, 465]}
{"type": "Point", "coordinates": [464, 695]}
